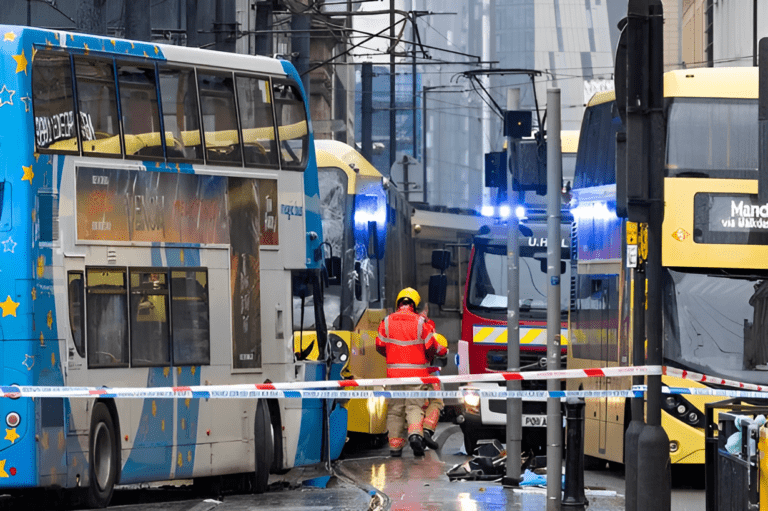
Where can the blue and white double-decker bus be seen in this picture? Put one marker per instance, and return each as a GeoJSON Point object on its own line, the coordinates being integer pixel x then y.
{"type": "Point", "coordinates": [159, 218]}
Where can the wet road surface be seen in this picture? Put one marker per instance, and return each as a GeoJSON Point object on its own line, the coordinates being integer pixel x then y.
{"type": "Point", "coordinates": [368, 479]}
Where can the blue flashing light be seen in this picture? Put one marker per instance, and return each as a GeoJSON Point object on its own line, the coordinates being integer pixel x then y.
{"type": "Point", "coordinates": [370, 217]}
{"type": "Point", "coordinates": [487, 211]}
{"type": "Point", "coordinates": [520, 212]}
{"type": "Point", "coordinates": [505, 211]}
{"type": "Point", "coordinates": [370, 208]}
{"type": "Point", "coordinates": [594, 211]}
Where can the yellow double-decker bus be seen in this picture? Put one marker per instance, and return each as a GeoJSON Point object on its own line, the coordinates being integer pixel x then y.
{"type": "Point", "coordinates": [714, 256]}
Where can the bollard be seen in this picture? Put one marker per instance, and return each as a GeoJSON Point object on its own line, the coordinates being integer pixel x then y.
{"type": "Point", "coordinates": [573, 495]}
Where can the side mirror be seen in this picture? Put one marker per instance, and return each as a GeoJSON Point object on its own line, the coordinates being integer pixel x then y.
{"type": "Point", "coordinates": [358, 282]}
{"type": "Point", "coordinates": [441, 260]}
{"type": "Point", "coordinates": [438, 285]}
{"type": "Point", "coordinates": [373, 241]}
{"type": "Point", "coordinates": [333, 267]}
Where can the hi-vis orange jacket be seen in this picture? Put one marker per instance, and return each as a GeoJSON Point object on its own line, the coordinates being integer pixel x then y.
{"type": "Point", "coordinates": [407, 340]}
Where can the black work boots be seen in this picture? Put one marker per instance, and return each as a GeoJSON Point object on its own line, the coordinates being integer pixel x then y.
{"type": "Point", "coordinates": [417, 444]}
{"type": "Point", "coordinates": [428, 441]}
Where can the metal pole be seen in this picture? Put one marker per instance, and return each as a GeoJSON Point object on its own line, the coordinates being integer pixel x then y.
{"type": "Point", "coordinates": [424, 140]}
{"type": "Point", "coordinates": [514, 405]}
{"type": "Point", "coordinates": [192, 41]}
{"type": "Point", "coordinates": [91, 17]}
{"type": "Point", "coordinates": [573, 494]}
{"type": "Point", "coordinates": [137, 21]}
{"type": "Point", "coordinates": [300, 43]}
{"type": "Point", "coordinates": [413, 77]}
{"type": "Point", "coordinates": [392, 132]}
{"type": "Point", "coordinates": [366, 110]}
{"type": "Point", "coordinates": [754, 33]}
{"type": "Point", "coordinates": [263, 23]}
{"type": "Point", "coordinates": [654, 468]}
{"type": "Point", "coordinates": [554, 184]}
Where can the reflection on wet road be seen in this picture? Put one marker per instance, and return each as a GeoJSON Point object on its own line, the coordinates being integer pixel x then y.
{"type": "Point", "coordinates": [421, 484]}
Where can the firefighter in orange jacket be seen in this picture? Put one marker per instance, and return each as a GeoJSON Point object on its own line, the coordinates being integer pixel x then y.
{"type": "Point", "coordinates": [408, 342]}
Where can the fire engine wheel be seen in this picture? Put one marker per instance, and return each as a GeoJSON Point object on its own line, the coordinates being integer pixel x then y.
{"type": "Point", "coordinates": [103, 458]}
{"type": "Point", "coordinates": [264, 444]}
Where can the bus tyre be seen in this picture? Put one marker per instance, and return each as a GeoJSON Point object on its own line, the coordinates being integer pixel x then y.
{"type": "Point", "coordinates": [263, 448]}
{"type": "Point", "coordinates": [103, 458]}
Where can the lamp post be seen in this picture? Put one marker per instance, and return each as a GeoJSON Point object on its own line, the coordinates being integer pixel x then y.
{"type": "Point", "coordinates": [424, 91]}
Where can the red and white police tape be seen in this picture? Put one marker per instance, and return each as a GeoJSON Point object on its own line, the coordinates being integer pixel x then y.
{"type": "Point", "coordinates": [330, 389]}
{"type": "Point", "coordinates": [703, 378]}
{"type": "Point", "coordinates": [300, 389]}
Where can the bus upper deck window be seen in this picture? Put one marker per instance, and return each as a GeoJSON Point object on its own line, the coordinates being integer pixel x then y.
{"type": "Point", "coordinates": [292, 125]}
{"type": "Point", "coordinates": [97, 106]}
{"type": "Point", "coordinates": [139, 110]}
{"type": "Point", "coordinates": [53, 103]}
{"type": "Point", "coordinates": [217, 104]}
{"type": "Point", "coordinates": [178, 92]}
{"type": "Point", "coordinates": [254, 99]}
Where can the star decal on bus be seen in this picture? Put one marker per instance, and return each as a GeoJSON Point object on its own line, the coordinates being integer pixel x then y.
{"type": "Point", "coordinates": [9, 307]}
{"type": "Point", "coordinates": [26, 100]}
{"type": "Point", "coordinates": [21, 62]}
{"type": "Point", "coordinates": [40, 266]}
{"type": "Point", "coordinates": [6, 96]}
{"type": "Point", "coordinates": [9, 245]}
{"type": "Point", "coordinates": [3, 473]}
{"type": "Point", "coordinates": [29, 362]}
{"type": "Point", "coordinates": [9, 36]}
{"type": "Point", "coordinates": [10, 434]}
{"type": "Point", "coordinates": [49, 320]}
{"type": "Point", "coordinates": [680, 234]}
{"type": "Point", "coordinates": [28, 174]}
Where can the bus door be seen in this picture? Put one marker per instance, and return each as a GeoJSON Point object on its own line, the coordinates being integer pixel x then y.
{"type": "Point", "coordinates": [593, 344]}
{"type": "Point", "coordinates": [600, 288]}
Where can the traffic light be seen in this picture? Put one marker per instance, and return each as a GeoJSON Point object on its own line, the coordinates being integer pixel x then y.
{"type": "Point", "coordinates": [528, 164]}
{"type": "Point", "coordinates": [496, 170]}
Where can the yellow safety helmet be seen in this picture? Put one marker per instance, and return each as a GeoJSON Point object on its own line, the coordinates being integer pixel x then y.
{"type": "Point", "coordinates": [441, 340]}
{"type": "Point", "coordinates": [409, 293]}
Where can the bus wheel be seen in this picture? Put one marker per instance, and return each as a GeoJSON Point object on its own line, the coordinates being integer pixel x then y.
{"type": "Point", "coordinates": [102, 458]}
{"type": "Point", "coordinates": [263, 448]}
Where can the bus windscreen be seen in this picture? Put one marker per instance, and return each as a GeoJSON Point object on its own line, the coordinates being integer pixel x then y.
{"type": "Point", "coordinates": [716, 324]}
{"type": "Point", "coordinates": [712, 137]}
